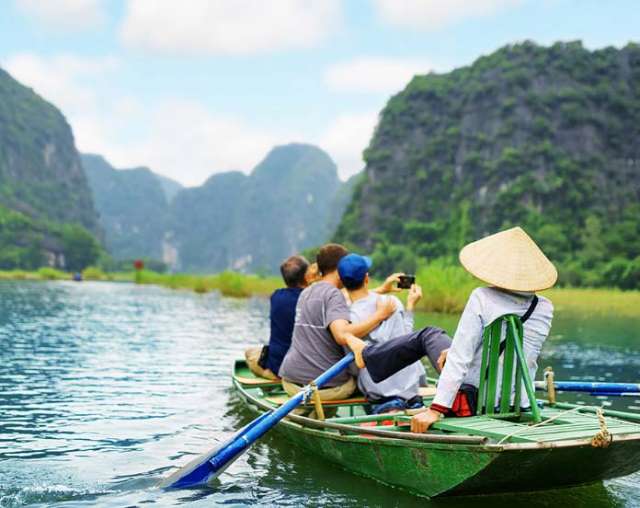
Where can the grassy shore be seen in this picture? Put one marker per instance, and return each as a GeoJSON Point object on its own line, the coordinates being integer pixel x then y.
{"type": "Point", "coordinates": [446, 288]}
{"type": "Point", "coordinates": [46, 273]}
{"type": "Point", "coordinates": [227, 283]}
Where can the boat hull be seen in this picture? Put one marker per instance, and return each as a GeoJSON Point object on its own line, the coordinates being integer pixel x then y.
{"type": "Point", "coordinates": [433, 470]}
{"type": "Point", "coordinates": [448, 469]}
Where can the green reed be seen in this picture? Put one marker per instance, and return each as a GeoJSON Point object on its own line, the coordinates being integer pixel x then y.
{"type": "Point", "coordinates": [446, 288]}
{"type": "Point", "coordinates": [227, 283]}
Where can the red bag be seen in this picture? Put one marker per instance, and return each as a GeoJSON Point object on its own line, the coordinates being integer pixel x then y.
{"type": "Point", "coordinates": [466, 402]}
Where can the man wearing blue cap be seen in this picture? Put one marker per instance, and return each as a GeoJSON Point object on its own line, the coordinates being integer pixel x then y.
{"type": "Point", "coordinates": [399, 391]}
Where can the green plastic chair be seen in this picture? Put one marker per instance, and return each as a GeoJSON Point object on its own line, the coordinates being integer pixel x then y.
{"type": "Point", "coordinates": [505, 336]}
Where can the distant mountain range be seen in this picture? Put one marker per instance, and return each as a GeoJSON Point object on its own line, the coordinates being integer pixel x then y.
{"type": "Point", "coordinates": [57, 206]}
{"type": "Point", "coordinates": [292, 200]}
{"type": "Point", "coordinates": [542, 137]}
{"type": "Point", "coordinates": [133, 207]}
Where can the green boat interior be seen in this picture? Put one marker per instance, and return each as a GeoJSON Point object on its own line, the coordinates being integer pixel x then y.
{"type": "Point", "coordinates": [500, 421]}
{"type": "Point", "coordinates": [558, 422]}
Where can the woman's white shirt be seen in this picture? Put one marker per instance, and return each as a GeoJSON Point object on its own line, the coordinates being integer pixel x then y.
{"type": "Point", "coordinates": [484, 306]}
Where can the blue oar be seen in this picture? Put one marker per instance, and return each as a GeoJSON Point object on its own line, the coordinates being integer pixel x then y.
{"type": "Point", "coordinates": [593, 388]}
{"type": "Point", "coordinates": [208, 466]}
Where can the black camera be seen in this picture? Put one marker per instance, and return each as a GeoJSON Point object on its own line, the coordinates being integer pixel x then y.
{"type": "Point", "coordinates": [406, 281]}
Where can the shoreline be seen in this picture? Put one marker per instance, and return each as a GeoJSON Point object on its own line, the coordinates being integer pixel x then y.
{"type": "Point", "coordinates": [442, 295]}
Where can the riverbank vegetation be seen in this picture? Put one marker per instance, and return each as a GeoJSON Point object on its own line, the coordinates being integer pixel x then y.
{"type": "Point", "coordinates": [227, 283]}
{"type": "Point", "coordinates": [446, 288]}
{"type": "Point", "coordinates": [493, 145]}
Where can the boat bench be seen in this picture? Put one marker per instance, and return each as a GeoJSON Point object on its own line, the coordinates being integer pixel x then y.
{"type": "Point", "coordinates": [245, 377]}
{"type": "Point", "coordinates": [278, 400]}
{"type": "Point", "coordinates": [357, 400]}
{"type": "Point", "coordinates": [572, 426]}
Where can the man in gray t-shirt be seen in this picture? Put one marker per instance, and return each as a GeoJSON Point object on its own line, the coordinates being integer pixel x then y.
{"type": "Point", "coordinates": [313, 349]}
{"type": "Point", "coordinates": [322, 328]}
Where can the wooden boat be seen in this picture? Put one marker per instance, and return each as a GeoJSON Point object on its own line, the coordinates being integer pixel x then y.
{"type": "Point", "coordinates": [566, 445]}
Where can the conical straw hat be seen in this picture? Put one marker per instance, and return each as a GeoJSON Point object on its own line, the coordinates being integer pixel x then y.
{"type": "Point", "coordinates": [509, 260]}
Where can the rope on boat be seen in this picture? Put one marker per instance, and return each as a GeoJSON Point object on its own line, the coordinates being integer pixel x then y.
{"type": "Point", "coordinates": [601, 439]}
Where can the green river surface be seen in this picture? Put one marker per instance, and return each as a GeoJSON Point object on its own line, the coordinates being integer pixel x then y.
{"type": "Point", "coordinates": [105, 388]}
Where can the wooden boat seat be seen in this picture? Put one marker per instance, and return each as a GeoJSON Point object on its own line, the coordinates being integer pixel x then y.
{"type": "Point", "coordinates": [572, 426]}
{"type": "Point", "coordinates": [353, 401]}
{"type": "Point", "coordinates": [245, 377]}
{"type": "Point", "coordinates": [425, 391]}
{"type": "Point", "coordinates": [257, 381]}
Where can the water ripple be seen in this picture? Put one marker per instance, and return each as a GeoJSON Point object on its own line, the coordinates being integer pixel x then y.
{"type": "Point", "coordinates": [105, 388]}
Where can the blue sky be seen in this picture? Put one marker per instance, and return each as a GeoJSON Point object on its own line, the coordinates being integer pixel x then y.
{"type": "Point", "coordinates": [196, 87]}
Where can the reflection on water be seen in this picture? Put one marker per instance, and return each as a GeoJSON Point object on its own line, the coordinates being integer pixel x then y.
{"type": "Point", "coordinates": [106, 387]}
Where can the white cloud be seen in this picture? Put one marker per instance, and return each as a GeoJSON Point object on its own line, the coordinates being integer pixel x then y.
{"type": "Point", "coordinates": [346, 138]}
{"type": "Point", "coordinates": [181, 139]}
{"type": "Point", "coordinates": [67, 82]}
{"type": "Point", "coordinates": [78, 15]}
{"type": "Point", "coordinates": [227, 26]}
{"type": "Point", "coordinates": [436, 14]}
{"type": "Point", "coordinates": [189, 143]}
{"type": "Point", "coordinates": [61, 79]}
{"type": "Point", "coordinates": [374, 75]}
{"type": "Point", "coordinates": [185, 140]}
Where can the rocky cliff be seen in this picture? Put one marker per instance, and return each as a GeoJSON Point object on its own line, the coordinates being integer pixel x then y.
{"type": "Point", "coordinates": [40, 171]}
{"type": "Point", "coordinates": [287, 203]}
{"type": "Point", "coordinates": [292, 200]}
{"type": "Point", "coordinates": [133, 208]}
{"type": "Point", "coordinates": [544, 137]}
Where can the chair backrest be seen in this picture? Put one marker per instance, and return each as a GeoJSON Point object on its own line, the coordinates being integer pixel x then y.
{"type": "Point", "coordinates": [504, 337]}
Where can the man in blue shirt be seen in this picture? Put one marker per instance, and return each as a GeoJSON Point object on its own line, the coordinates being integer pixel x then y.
{"type": "Point", "coordinates": [264, 361]}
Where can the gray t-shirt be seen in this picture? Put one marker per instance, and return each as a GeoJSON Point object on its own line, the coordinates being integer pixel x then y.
{"type": "Point", "coordinates": [313, 349]}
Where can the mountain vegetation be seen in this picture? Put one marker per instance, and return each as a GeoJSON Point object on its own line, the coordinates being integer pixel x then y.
{"type": "Point", "coordinates": [169, 186]}
{"type": "Point", "coordinates": [133, 206]}
{"type": "Point", "coordinates": [291, 200]}
{"type": "Point", "coordinates": [543, 137]}
{"type": "Point", "coordinates": [46, 209]}
{"type": "Point", "coordinates": [40, 170]}
{"type": "Point", "coordinates": [29, 243]}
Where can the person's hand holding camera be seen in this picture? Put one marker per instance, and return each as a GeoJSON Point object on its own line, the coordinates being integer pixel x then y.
{"type": "Point", "coordinates": [389, 284]}
{"type": "Point", "coordinates": [414, 296]}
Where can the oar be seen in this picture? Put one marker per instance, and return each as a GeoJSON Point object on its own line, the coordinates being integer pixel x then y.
{"type": "Point", "coordinates": [593, 388]}
{"type": "Point", "coordinates": [209, 465]}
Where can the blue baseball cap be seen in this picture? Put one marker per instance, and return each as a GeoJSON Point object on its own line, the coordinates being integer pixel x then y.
{"type": "Point", "coordinates": [353, 267]}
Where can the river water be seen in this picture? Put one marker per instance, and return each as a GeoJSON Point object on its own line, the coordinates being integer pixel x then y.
{"type": "Point", "coordinates": [105, 388]}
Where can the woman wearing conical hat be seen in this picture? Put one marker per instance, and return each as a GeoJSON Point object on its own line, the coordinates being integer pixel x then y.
{"type": "Point", "coordinates": [514, 268]}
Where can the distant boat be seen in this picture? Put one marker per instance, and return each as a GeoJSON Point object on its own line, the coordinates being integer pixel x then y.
{"type": "Point", "coordinates": [77, 276]}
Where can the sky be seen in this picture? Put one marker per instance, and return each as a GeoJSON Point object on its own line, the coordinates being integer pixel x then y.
{"type": "Point", "coordinates": [195, 87]}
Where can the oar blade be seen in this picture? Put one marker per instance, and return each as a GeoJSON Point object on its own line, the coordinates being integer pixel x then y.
{"type": "Point", "coordinates": [195, 474]}
{"type": "Point", "coordinates": [199, 472]}
{"type": "Point", "coordinates": [203, 469]}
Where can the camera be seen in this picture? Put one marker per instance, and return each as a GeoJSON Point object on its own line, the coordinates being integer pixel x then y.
{"type": "Point", "coordinates": [406, 281]}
